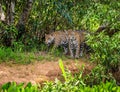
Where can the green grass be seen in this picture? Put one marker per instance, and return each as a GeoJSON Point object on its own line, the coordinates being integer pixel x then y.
{"type": "Point", "coordinates": [25, 57]}
{"type": "Point", "coordinates": [7, 54]}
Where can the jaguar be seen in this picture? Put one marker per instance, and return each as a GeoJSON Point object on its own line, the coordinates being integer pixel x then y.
{"type": "Point", "coordinates": [72, 41]}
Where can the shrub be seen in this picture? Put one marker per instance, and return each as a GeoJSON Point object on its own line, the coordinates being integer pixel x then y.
{"type": "Point", "coordinates": [76, 84]}
{"type": "Point", "coordinates": [106, 49]}
{"type": "Point", "coordinates": [13, 87]}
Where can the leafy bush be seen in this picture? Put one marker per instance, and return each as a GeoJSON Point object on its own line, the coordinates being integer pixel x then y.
{"type": "Point", "coordinates": [76, 84]}
{"type": "Point", "coordinates": [69, 87]}
{"type": "Point", "coordinates": [106, 49]}
{"type": "Point", "coordinates": [13, 87]}
{"type": "Point", "coordinates": [8, 34]}
{"type": "Point", "coordinates": [97, 75]}
{"type": "Point", "coordinates": [59, 87]}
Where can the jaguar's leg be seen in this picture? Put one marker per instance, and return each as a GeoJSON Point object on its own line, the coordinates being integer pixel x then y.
{"type": "Point", "coordinates": [77, 51]}
{"type": "Point", "coordinates": [81, 49]}
{"type": "Point", "coordinates": [65, 50]}
{"type": "Point", "coordinates": [71, 50]}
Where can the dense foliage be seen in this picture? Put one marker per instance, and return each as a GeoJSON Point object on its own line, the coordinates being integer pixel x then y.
{"type": "Point", "coordinates": [60, 87]}
{"type": "Point", "coordinates": [47, 16]}
{"type": "Point", "coordinates": [13, 87]}
{"type": "Point", "coordinates": [106, 49]}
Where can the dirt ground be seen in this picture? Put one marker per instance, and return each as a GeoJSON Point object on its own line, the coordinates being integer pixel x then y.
{"type": "Point", "coordinates": [40, 71]}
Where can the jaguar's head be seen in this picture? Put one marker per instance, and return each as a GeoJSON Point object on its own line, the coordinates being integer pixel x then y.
{"type": "Point", "coordinates": [49, 39]}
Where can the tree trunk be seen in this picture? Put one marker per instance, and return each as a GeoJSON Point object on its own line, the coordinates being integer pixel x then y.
{"type": "Point", "coordinates": [12, 11]}
{"type": "Point", "coordinates": [10, 5]}
{"type": "Point", "coordinates": [2, 15]}
{"type": "Point", "coordinates": [8, 12]}
{"type": "Point", "coordinates": [26, 10]}
{"type": "Point", "coordinates": [24, 18]}
{"type": "Point", "coordinates": [8, 35]}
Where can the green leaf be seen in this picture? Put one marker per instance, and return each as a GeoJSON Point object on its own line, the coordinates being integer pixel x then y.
{"type": "Point", "coordinates": [62, 69]}
{"type": "Point", "coordinates": [6, 86]}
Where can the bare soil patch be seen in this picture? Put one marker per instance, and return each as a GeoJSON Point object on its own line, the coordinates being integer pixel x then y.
{"type": "Point", "coordinates": [40, 71]}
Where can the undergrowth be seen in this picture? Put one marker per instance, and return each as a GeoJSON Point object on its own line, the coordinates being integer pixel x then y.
{"type": "Point", "coordinates": [19, 55]}
{"type": "Point", "coordinates": [7, 55]}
